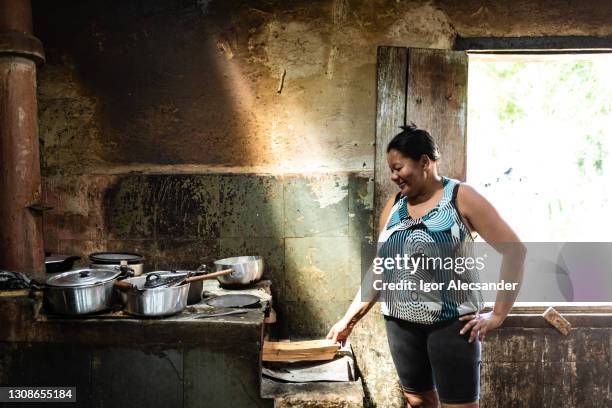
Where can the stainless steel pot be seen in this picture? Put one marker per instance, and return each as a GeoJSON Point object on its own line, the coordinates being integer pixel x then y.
{"type": "Point", "coordinates": [159, 301]}
{"type": "Point", "coordinates": [80, 291]}
{"type": "Point", "coordinates": [195, 290]}
{"type": "Point", "coordinates": [154, 302]}
{"type": "Point", "coordinates": [108, 260]}
{"type": "Point", "coordinates": [246, 270]}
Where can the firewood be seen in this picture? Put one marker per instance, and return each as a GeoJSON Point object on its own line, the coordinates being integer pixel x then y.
{"type": "Point", "coordinates": [310, 350]}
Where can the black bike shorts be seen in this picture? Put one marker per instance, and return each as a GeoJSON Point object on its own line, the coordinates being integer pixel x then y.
{"type": "Point", "coordinates": [435, 356]}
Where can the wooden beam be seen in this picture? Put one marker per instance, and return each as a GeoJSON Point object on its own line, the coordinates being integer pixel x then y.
{"type": "Point", "coordinates": [390, 115]}
{"type": "Point", "coordinates": [562, 44]}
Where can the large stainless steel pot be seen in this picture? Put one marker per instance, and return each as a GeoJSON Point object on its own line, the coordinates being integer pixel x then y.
{"type": "Point", "coordinates": [80, 291]}
{"type": "Point", "coordinates": [246, 270]}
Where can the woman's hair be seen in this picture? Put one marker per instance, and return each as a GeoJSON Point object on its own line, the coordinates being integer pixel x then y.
{"type": "Point", "coordinates": [413, 143]}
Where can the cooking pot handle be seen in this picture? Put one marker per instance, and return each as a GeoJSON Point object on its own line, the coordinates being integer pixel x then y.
{"type": "Point", "coordinates": [123, 285]}
{"type": "Point", "coordinates": [126, 271]}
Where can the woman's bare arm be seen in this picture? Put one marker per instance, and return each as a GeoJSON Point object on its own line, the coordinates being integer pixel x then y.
{"type": "Point", "coordinates": [486, 221]}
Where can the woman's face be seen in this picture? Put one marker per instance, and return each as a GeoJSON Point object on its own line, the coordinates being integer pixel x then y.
{"type": "Point", "coordinates": [409, 175]}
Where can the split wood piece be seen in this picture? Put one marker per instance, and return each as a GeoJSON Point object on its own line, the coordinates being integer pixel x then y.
{"type": "Point", "coordinates": [557, 321]}
{"type": "Point", "coordinates": [310, 350]}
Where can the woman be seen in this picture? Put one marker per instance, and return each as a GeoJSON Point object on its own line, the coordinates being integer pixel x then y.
{"type": "Point", "coordinates": [434, 337]}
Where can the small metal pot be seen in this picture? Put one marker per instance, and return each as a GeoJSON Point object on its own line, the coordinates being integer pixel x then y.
{"type": "Point", "coordinates": [80, 291]}
{"type": "Point", "coordinates": [246, 270]}
{"type": "Point", "coordinates": [154, 302]}
{"type": "Point", "coordinates": [108, 260]}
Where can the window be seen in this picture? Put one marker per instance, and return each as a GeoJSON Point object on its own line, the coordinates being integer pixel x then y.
{"type": "Point", "coordinates": [539, 142]}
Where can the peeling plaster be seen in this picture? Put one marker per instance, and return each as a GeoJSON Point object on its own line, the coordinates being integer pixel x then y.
{"type": "Point", "coordinates": [297, 47]}
{"type": "Point", "coordinates": [427, 23]}
{"type": "Point", "coordinates": [329, 190]}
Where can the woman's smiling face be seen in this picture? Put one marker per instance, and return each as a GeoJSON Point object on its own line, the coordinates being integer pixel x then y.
{"type": "Point", "coordinates": [408, 174]}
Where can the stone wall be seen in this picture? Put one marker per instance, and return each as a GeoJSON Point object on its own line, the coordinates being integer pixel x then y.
{"type": "Point", "coordinates": [310, 230]}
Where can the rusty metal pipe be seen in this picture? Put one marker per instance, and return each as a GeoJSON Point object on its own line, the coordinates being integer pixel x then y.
{"type": "Point", "coordinates": [21, 236]}
{"type": "Point", "coordinates": [16, 15]}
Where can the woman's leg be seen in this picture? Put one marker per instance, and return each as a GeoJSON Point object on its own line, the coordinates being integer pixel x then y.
{"type": "Point", "coordinates": [408, 346]}
{"type": "Point", "coordinates": [456, 365]}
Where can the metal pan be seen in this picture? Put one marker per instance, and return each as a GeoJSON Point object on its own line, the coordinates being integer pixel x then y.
{"type": "Point", "coordinates": [237, 300]}
{"type": "Point", "coordinates": [247, 270]}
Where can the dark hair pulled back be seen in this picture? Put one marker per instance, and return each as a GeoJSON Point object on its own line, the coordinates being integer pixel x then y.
{"type": "Point", "coordinates": [413, 142]}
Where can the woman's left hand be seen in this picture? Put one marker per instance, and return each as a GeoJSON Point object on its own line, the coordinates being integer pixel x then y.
{"type": "Point", "coordinates": [480, 324]}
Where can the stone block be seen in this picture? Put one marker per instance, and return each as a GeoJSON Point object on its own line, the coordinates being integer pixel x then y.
{"type": "Point", "coordinates": [312, 318]}
{"type": "Point", "coordinates": [271, 249]}
{"type": "Point", "coordinates": [187, 255]}
{"type": "Point", "coordinates": [220, 380]}
{"type": "Point", "coordinates": [150, 376]}
{"type": "Point", "coordinates": [130, 210]}
{"type": "Point", "coordinates": [318, 269]}
{"type": "Point", "coordinates": [361, 206]}
{"type": "Point", "coordinates": [251, 206]}
{"type": "Point", "coordinates": [186, 206]}
{"type": "Point", "coordinates": [317, 206]}
{"type": "Point", "coordinates": [314, 394]}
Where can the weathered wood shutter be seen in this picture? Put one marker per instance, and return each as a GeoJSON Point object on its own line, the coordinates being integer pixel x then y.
{"type": "Point", "coordinates": [427, 87]}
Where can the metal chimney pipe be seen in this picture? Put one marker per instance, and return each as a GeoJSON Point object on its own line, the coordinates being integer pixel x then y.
{"type": "Point", "coordinates": [21, 235]}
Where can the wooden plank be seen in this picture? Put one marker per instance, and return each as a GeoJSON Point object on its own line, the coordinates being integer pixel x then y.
{"type": "Point", "coordinates": [524, 44]}
{"type": "Point", "coordinates": [390, 115]}
{"type": "Point", "coordinates": [436, 100]}
{"type": "Point", "coordinates": [310, 350]}
{"type": "Point", "coordinates": [299, 345]}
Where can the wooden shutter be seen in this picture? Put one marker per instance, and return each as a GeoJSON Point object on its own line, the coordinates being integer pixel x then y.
{"type": "Point", "coordinates": [427, 87]}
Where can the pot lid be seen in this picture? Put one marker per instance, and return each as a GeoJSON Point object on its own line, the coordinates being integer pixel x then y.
{"type": "Point", "coordinates": [115, 258]}
{"type": "Point", "coordinates": [82, 277]}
